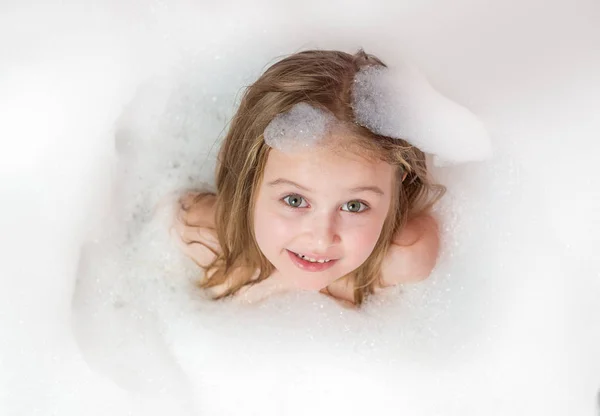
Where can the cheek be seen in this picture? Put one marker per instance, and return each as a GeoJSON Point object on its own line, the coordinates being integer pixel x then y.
{"type": "Point", "coordinates": [272, 231]}
{"type": "Point", "coordinates": [361, 241]}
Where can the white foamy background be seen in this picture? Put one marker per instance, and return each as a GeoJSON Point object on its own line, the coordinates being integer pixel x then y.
{"type": "Point", "coordinates": [105, 109]}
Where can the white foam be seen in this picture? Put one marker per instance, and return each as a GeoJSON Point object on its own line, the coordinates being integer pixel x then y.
{"type": "Point", "coordinates": [400, 103]}
{"type": "Point", "coordinates": [303, 126]}
{"type": "Point", "coordinates": [507, 324]}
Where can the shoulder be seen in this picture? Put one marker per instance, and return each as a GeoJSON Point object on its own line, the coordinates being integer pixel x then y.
{"type": "Point", "coordinates": [417, 227]}
{"type": "Point", "coordinates": [413, 253]}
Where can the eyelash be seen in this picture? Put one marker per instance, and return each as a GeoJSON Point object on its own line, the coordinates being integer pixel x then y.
{"type": "Point", "coordinates": [366, 206]}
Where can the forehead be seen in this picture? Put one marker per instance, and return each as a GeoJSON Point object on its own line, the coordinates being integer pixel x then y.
{"type": "Point", "coordinates": [327, 166]}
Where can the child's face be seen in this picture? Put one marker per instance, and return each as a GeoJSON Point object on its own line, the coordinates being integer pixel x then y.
{"type": "Point", "coordinates": [335, 211]}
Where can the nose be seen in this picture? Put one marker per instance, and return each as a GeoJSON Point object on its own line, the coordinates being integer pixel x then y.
{"type": "Point", "coordinates": [324, 231]}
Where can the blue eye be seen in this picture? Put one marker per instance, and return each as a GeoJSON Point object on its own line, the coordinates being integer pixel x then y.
{"type": "Point", "coordinates": [294, 201]}
{"type": "Point", "coordinates": [355, 206]}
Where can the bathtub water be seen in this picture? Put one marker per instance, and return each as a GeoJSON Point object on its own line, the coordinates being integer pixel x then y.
{"type": "Point", "coordinates": [104, 110]}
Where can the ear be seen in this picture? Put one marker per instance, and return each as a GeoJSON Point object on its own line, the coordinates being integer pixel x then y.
{"type": "Point", "coordinates": [404, 175]}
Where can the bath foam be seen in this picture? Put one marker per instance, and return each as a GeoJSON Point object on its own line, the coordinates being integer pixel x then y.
{"type": "Point", "coordinates": [435, 343]}
{"type": "Point", "coordinates": [400, 103]}
{"type": "Point", "coordinates": [303, 126]}
{"type": "Point", "coordinates": [516, 339]}
{"type": "Point", "coordinates": [397, 103]}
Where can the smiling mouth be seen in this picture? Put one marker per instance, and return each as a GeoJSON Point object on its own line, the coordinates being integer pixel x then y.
{"type": "Point", "coordinates": [310, 264]}
{"type": "Point", "coordinates": [310, 259]}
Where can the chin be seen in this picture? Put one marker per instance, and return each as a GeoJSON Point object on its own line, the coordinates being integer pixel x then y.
{"type": "Point", "coordinates": [304, 282]}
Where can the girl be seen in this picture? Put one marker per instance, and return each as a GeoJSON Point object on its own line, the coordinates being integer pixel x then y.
{"type": "Point", "coordinates": [309, 197]}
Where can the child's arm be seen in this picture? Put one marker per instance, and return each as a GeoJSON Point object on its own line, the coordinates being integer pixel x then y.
{"type": "Point", "coordinates": [413, 253]}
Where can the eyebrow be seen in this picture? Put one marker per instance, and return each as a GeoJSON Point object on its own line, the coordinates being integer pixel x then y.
{"type": "Point", "coordinates": [282, 181]}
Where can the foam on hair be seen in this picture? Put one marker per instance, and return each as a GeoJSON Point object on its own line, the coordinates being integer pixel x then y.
{"type": "Point", "coordinates": [302, 126]}
{"type": "Point", "coordinates": [400, 103]}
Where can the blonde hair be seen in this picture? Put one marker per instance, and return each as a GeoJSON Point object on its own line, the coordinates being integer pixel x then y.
{"type": "Point", "coordinates": [324, 80]}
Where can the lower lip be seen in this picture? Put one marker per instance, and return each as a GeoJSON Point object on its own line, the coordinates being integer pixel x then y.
{"type": "Point", "coordinates": [310, 266]}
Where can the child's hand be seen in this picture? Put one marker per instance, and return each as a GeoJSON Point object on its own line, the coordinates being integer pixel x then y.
{"type": "Point", "coordinates": [198, 209]}
{"type": "Point", "coordinates": [194, 227]}
{"type": "Point", "coordinates": [413, 252]}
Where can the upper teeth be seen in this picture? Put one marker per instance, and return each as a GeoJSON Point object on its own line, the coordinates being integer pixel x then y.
{"type": "Point", "coordinates": [303, 257]}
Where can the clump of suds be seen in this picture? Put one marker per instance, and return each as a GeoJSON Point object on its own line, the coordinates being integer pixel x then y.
{"type": "Point", "coordinates": [400, 103]}
{"type": "Point", "coordinates": [303, 126]}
